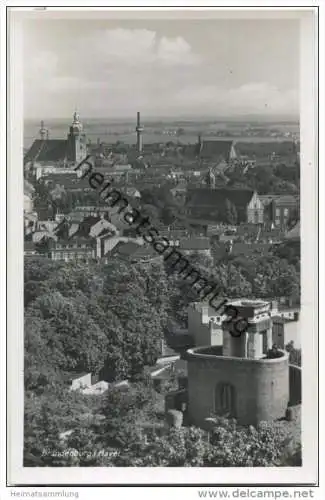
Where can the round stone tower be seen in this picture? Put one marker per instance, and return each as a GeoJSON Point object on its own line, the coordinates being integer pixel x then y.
{"type": "Point", "coordinates": [245, 378]}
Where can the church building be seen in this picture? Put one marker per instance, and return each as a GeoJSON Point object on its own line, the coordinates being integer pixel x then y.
{"type": "Point", "coordinates": [71, 150]}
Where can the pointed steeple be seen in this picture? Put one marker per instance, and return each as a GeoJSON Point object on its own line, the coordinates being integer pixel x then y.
{"type": "Point", "coordinates": [76, 124]}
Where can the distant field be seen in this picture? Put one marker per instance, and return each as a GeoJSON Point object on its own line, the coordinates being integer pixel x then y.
{"type": "Point", "coordinates": [116, 132]}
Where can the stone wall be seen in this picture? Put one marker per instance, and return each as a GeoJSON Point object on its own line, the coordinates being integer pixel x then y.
{"type": "Point", "coordinates": [260, 387]}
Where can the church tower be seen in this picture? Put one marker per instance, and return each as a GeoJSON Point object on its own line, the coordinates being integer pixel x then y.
{"type": "Point", "coordinates": [77, 148]}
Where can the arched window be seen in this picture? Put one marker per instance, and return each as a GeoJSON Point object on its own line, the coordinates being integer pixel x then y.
{"type": "Point", "coordinates": [225, 400]}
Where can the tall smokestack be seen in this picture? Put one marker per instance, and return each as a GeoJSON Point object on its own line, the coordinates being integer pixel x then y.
{"type": "Point", "coordinates": [139, 131]}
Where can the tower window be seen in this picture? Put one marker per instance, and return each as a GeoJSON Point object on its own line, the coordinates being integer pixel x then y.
{"type": "Point", "coordinates": [225, 403]}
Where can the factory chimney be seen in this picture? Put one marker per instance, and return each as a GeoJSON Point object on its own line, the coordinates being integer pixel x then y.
{"type": "Point", "coordinates": [139, 131]}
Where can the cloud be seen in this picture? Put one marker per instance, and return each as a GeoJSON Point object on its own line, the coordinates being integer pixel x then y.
{"type": "Point", "coordinates": [175, 51]}
{"type": "Point", "coordinates": [119, 71]}
{"type": "Point", "coordinates": [131, 48]}
{"type": "Point", "coordinates": [248, 98]}
{"type": "Point", "coordinates": [108, 64]}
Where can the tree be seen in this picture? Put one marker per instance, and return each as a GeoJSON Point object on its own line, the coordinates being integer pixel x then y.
{"type": "Point", "coordinates": [226, 445]}
{"type": "Point", "coordinates": [43, 246]}
{"type": "Point", "coordinates": [34, 289]}
{"type": "Point", "coordinates": [39, 269]}
{"type": "Point", "coordinates": [294, 354]}
{"type": "Point", "coordinates": [39, 368]}
{"type": "Point", "coordinates": [142, 317]}
{"type": "Point", "coordinates": [230, 213]}
{"type": "Point", "coordinates": [47, 416]}
{"type": "Point", "coordinates": [77, 343]}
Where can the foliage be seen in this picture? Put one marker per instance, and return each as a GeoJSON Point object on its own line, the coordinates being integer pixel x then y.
{"type": "Point", "coordinates": [294, 354]}
{"type": "Point", "coordinates": [227, 445]}
{"type": "Point", "coordinates": [289, 251]}
{"type": "Point", "coordinates": [50, 414]}
{"type": "Point", "coordinates": [266, 179]}
{"type": "Point", "coordinates": [268, 275]}
{"type": "Point", "coordinates": [95, 318]}
{"type": "Point", "coordinates": [123, 428]}
{"type": "Point", "coordinates": [167, 207]}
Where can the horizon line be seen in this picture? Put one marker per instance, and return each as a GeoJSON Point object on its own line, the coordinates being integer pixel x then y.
{"type": "Point", "coordinates": [220, 119]}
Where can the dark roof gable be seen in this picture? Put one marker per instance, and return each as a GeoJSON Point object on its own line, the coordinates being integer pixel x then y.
{"type": "Point", "coordinates": [216, 149]}
{"type": "Point", "coordinates": [263, 149]}
{"type": "Point", "coordinates": [47, 150]}
{"type": "Point", "coordinates": [217, 197]}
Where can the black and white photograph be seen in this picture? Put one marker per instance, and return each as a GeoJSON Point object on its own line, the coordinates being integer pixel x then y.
{"type": "Point", "coordinates": [167, 296]}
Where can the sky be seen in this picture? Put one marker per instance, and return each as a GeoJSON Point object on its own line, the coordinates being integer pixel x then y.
{"type": "Point", "coordinates": [163, 68]}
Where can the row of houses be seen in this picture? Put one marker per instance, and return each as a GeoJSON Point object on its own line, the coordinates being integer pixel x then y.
{"type": "Point", "coordinates": [210, 204]}
{"type": "Point", "coordinates": [95, 237]}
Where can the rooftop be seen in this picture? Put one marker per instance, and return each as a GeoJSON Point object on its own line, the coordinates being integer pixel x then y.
{"type": "Point", "coordinates": [213, 352]}
{"type": "Point", "coordinates": [47, 150]}
{"type": "Point", "coordinates": [207, 197]}
{"type": "Point", "coordinates": [251, 303]}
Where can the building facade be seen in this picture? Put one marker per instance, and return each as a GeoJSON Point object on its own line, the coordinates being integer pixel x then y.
{"type": "Point", "coordinates": [255, 210]}
{"type": "Point", "coordinates": [75, 249]}
{"type": "Point", "coordinates": [286, 330]}
{"type": "Point", "coordinates": [280, 210]}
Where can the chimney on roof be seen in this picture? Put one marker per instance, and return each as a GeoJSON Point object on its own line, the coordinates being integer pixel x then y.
{"type": "Point", "coordinates": [199, 143]}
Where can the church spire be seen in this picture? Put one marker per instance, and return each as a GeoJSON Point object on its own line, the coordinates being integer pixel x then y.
{"type": "Point", "coordinates": [76, 124]}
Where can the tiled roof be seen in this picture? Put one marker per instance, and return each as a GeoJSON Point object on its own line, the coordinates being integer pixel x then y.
{"type": "Point", "coordinates": [100, 226]}
{"type": "Point", "coordinates": [247, 249]}
{"type": "Point", "coordinates": [76, 184]}
{"type": "Point", "coordinates": [86, 225]}
{"type": "Point", "coordinates": [29, 246]}
{"type": "Point", "coordinates": [262, 149]}
{"type": "Point", "coordinates": [191, 150]}
{"type": "Point", "coordinates": [279, 319]}
{"type": "Point", "coordinates": [173, 234]}
{"type": "Point", "coordinates": [107, 231]}
{"type": "Point", "coordinates": [267, 198]}
{"type": "Point", "coordinates": [132, 191]}
{"type": "Point", "coordinates": [47, 150]}
{"type": "Point", "coordinates": [285, 200]}
{"type": "Point", "coordinates": [133, 251]}
{"type": "Point", "coordinates": [73, 229]}
{"type": "Point", "coordinates": [125, 249]}
{"type": "Point", "coordinates": [216, 149]}
{"type": "Point", "coordinates": [294, 232]}
{"type": "Point", "coordinates": [60, 179]}
{"type": "Point", "coordinates": [217, 197]}
{"type": "Point", "coordinates": [76, 240]}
